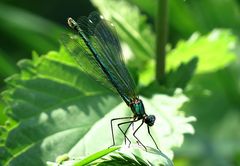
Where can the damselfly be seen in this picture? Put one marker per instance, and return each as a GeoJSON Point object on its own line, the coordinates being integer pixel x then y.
{"type": "Point", "coordinates": [98, 52]}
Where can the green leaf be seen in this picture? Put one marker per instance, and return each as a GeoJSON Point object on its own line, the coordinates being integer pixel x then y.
{"type": "Point", "coordinates": [129, 157]}
{"type": "Point", "coordinates": [47, 97]}
{"type": "Point", "coordinates": [96, 156]}
{"type": "Point", "coordinates": [215, 100]}
{"type": "Point", "coordinates": [177, 78]}
{"type": "Point", "coordinates": [123, 159]}
{"type": "Point", "coordinates": [182, 75]}
{"type": "Point", "coordinates": [2, 113]}
{"type": "Point", "coordinates": [66, 160]}
{"type": "Point", "coordinates": [61, 110]}
{"type": "Point", "coordinates": [213, 51]}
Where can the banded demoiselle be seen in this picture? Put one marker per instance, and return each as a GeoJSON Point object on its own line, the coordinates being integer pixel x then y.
{"type": "Point", "coordinates": [97, 50]}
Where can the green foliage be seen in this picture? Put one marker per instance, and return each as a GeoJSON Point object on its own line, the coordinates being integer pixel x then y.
{"type": "Point", "coordinates": [128, 158]}
{"type": "Point", "coordinates": [122, 159]}
{"type": "Point", "coordinates": [203, 47]}
{"type": "Point", "coordinates": [117, 158]}
{"type": "Point", "coordinates": [6, 66]}
{"type": "Point", "coordinates": [186, 17]}
{"type": "Point", "coordinates": [215, 100]}
{"type": "Point", "coordinates": [213, 51]}
{"type": "Point", "coordinates": [95, 156]}
{"type": "Point", "coordinates": [2, 113]}
{"type": "Point", "coordinates": [29, 30]}
{"type": "Point", "coordinates": [66, 160]}
{"type": "Point", "coordinates": [54, 108]}
{"type": "Point", "coordinates": [56, 113]}
{"type": "Point", "coordinates": [40, 99]}
{"type": "Point", "coordinates": [182, 75]}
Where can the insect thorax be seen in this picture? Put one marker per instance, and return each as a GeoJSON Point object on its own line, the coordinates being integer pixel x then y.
{"type": "Point", "coordinates": [137, 108]}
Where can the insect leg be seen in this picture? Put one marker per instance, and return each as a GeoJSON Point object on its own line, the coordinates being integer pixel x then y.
{"type": "Point", "coordinates": [152, 137]}
{"type": "Point", "coordinates": [134, 134]}
{"type": "Point", "coordinates": [112, 127]}
{"type": "Point", "coordinates": [124, 133]}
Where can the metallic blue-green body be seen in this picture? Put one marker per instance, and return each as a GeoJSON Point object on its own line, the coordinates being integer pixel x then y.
{"type": "Point", "coordinates": [138, 109]}
{"type": "Point", "coordinates": [101, 58]}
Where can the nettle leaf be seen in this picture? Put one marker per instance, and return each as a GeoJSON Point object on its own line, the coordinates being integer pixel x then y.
{"type": "Point", "coordinates": [123, 159]}
{"type": "Point", "coordinates": [117, 158]}
{"type": "Point", "coordinates": [61, 110]}
{"type": "Point", "coordinates": [168, 129]}
{"type": "Point", "coordinates": [182, 75]}
{"type": "Point", "coordinates": [55, 104]}
{"type": "Point", "coordinates": [129, 158]}
{"type": "Point", "coordinates": [66, 160]}
{"type": "Point", "coordinates": [213, 51]}
{"type": "Point", "coordinates": [132, 28]}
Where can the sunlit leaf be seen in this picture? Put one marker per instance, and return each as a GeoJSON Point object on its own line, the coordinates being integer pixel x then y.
{"type": "Point", "coordinates": [95, 156]}
{"type": "Point", "coordinates": [61, 110]}
{"type": "Point", "coordinates": [213, 51]}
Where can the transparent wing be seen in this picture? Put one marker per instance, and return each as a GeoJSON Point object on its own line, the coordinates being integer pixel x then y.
{"type": "Point", "coordinates": [82, 55]}
{"type": "Point", "coordinates": [104, 39]}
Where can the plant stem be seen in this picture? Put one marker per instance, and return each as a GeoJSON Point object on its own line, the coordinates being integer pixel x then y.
{"type": "Point", "coordinates": [161, 39]}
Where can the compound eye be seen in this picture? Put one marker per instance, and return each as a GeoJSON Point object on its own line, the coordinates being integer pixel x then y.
{"type": "Point", "coordinates": [150, 120]}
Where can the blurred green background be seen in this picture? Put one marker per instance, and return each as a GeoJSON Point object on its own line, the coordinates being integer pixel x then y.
{"type": "Point", "coordinates": [214, 95]}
